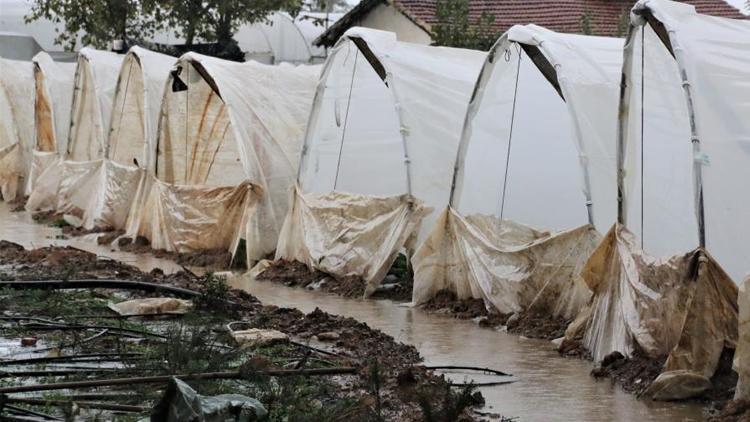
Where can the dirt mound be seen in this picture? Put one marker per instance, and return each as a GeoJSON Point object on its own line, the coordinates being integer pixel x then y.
{"type": "Point", "coordinates": [733, 411]}
{"type": "Point", "coordinates": [296, 274]}
{"type": "Point", "coordinates": [210, 258]}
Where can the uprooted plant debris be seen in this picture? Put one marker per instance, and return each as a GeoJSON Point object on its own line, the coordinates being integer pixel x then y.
{"type": "Point", "coordinates": [326, 367]}
{"type": "Point", "coordinates": [397, 285]}
{"type": "Point", "coordinates": [529, 324]}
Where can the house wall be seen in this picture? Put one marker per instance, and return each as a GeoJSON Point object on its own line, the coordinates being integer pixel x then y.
{"type": "Point", "coordinates": [387, 18]}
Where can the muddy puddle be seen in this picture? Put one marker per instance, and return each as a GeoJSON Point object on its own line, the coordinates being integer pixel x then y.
{"type": "Point", "coordinates": [546, 386]}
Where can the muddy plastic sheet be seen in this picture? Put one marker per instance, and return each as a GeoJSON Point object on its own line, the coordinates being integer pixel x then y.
{"type": "Point", "coordinates": [40, 162]}
{"type": "Point", "coordinates": [683, 307]}
{"type": "Point", "coordinates": [181, 403]}
{"type": "Point", "coordinates": [511, 267]}
{"type": "Point", "coordinates": [741, 363]}
{"type": "Point", "coordinates": [99, 193]}
{"type": "Point", "coordinates": [11, 172]}
{"type": "Point", "coordinates": [350, 235]}
{"type": "Point", "coordinates": [181, 218]}
{"type": "Point", "coordinates": [44, 195]}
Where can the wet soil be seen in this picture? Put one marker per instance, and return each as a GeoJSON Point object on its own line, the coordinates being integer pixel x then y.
{"type": "Point", "coordinates": [212, 258]}
{"type": "Point", "coordinates": [296, 274]}
{"type": "Point", "coordinates": [529, 324]}
{"type": "Point", "coordinates": [635, 375]}
{"type": "Point", "coordinates": [389, 384]}
{"type": "Point", "coordinates": [732, 411]}
{"type": "Point", "coordinates": [18, 204]}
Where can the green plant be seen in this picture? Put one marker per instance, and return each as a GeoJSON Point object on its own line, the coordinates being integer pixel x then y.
{"type": "Point", "coordinates": [455, 29]}
{"type": "Point", "coordinates": [586, 28]}
{"type": "Point", "coordinates": [214, 292]}
{"type": "Point", "coordinates": [450, 405]}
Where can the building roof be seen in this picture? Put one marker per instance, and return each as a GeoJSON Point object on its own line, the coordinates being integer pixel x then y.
{"type": "Point", "coordinates": [605, 16]}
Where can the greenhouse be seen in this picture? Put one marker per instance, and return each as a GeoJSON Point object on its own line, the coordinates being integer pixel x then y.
{"type": "Point", "coordinates": [374, 162]}
{"type": "Point", "coordinates": [228, 143]}
{"type": "Point", "coordinates": [664, 277]}
{"type": "Point", "coordinates": [54, 94]}
{"type": "Point", "coordinates": [16, 126]}
{"type": "Point", "coordinates": [529, 199]}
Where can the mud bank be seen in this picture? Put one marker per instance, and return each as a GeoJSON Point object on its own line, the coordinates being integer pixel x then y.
{"type": "Point", "coordinates": [527, 324]}
{"type": "Point", "coordinates": [388, 382]}
{"type": "Point", "coordinates": [218, 259]}
{"type": "Point", "coordinates": [397, 285]}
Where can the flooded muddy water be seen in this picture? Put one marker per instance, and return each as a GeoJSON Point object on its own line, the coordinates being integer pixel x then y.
{"type": "Point", "coordinates": [546, 388]}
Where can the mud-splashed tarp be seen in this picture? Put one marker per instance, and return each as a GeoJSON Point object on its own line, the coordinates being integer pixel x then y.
{"type": "Point", "coordinates": [225, 125]}
{"type": "Point", "coordinates": [16, 126]}
{"type": "Point", "coordinates": [683, 308]}
{"type": "Point", "coordinates": [537, 152]}
{"type": "Point", "coordinates": [742, 354]}
{"type": "Point", "coordinates": [95, 82]}
{"type": "Point", "coordinates": [374, 139]}
{"type": "Point", "coordinates": [54, 95]}
{"type": "Point", "coordinates": [189, 218]}
{"type": "Point", "coordinates": [511, 267]}
{"type": "Point", "coordinates": [350, 235]}
{"type": "Point", "coordinates": [101, 192]}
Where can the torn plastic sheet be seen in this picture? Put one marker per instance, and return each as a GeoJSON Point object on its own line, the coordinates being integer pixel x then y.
{"type": "Point", "coordinates": [683, 307]}
{"type": "Point", "coordinates": [181, 403]}
{"type": "Point", "coordinates": [511, 267]}
{"type": "Point", "coordinates": [99, 193]}
{"type": "Point", "coordinates": [346, 234]}
{"type": "Point", "coordinates": [180, 218]}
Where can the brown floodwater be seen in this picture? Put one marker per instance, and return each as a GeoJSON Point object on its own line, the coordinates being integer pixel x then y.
{"type": "Point", "coordinates": [546, 388]}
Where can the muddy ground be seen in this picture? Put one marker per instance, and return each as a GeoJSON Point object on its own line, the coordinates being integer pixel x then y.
{"type": "Point", "coordinates": [388, 384]}
{"type": "Point", "coordinates": [397, 285]}
{"type": "Point", "coordinates": [528, 324]}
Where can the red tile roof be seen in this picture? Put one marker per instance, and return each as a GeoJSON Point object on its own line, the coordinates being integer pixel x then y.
{"type": "Point", "coordinates": [558, 15]}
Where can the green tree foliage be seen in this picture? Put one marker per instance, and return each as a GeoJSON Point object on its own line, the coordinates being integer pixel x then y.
{"type": "Point", "coordinates": [100, 21]}
{"type": "Point", "coordinates": [215, 20]}
{"type": "Point", "coordinates": [97, 21]}
{"type": "Point", "coordinates": [455, 28]}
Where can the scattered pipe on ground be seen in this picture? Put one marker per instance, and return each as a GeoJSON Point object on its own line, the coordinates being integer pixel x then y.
{"type": "Point", "coordinates": [167, 378]}
{"type": "Point", "coordinates": [86, 404]}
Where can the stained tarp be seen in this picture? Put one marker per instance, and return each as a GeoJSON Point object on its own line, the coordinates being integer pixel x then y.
{"type": "Point", "coordinates": [101, 192]}
{"type": "Point", "coordinates": [683, 308]}
{"type": "Point", "coordinates": [181, 403]}
{"type": "Point", "coordinates": [372, 141]}
{"type": "Point", "coordinates": [677, 57]}
{"type": "Point", "coordinates": [225, 125]}
{"type": "Point", "coordinates": [528, 196]}
{"type": "Point", "coordinates": [54, 95]}
{"type": "Point", "coordinates": [16, 126]}
{"type": "Point", "coordinates": [741, 363]}
{"type": "Point", "coordinates": [90, 113]}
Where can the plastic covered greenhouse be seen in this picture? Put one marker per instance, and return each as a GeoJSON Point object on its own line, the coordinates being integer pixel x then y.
{"type": "Point", "coordinates": [662, 278]}
{"type": "Point", "coordinates": [535, 177]}
{"type": "Point", "coordinates": [95, 82]}
{"type": "Point", "coordinates": [16, 126]}
{"type": "Point", "coordinates": [227, 151]}
{"type": "Point", "coordinates": [53, 98]}
{"type": "Point", "coordinates": [100, 192]}
{"type": "Point", "coordinates": [379, 152]}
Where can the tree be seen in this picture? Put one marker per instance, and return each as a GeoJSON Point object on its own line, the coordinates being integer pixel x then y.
{"type": "Point", "coordinates": [97, 21]}
{"type": "Point", "coordinates": [454, 28]}
{"type": "Point", "coordinates": [216, 20]}
{"type": "Point", "coordinates": [326, 6]}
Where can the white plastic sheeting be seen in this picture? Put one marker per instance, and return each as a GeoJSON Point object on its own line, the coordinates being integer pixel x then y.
{"type": "Point", "coordinates": [684, 159]}
{"type": "Point", "coordinates": [531, 159]}
{"type": "Point", "coordinates": [285, 39]}
{"type": "Point", "coordinates": [54, 95]}
{"type": "Point", "coordinates": [94, 88]}
{"type": "Point", "coordinates": [224, 124]}
{"type": "Point", "coordinates": [383, 135]}
{"type": "Point", "coordinates": [95, 84]}
{"type": "Point", "coordinates": [16, 126]}
{"type": "Point", "coordinates": [666, 166]}
{"type": "Point", "coordinates": [100, 192]}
